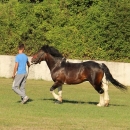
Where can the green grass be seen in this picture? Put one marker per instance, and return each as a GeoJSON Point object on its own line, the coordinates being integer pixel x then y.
{"type": "Point", "coordinates": [78, 111]}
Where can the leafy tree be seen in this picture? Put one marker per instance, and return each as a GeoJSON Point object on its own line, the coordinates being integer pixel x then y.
{"type": "Point", "coordinates": [82, 29]}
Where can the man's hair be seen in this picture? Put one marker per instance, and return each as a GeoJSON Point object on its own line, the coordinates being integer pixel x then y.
{"type": "Point", "coordinates": [21, 46]}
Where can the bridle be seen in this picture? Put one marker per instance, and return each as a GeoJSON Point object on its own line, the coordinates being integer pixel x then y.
{"type": "Point", "coordinates": [39, 58]}
{"type": "Point", "coordinates": [37, 61]}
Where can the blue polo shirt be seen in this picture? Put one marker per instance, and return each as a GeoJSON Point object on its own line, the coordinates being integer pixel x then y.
{"type": "Point", "coordinates": [21, 59]}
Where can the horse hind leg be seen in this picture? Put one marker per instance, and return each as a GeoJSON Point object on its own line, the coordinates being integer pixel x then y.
{"type": "Point", "coordinates": [104, 98]}
{"type": "Point", "coordinates": [95, 80]}
{"type": "Point", "coordinates": [60, 93]}
{"type": "Point", "coordinates": [101, 101]}
{"type": "Point", "coordinates": [100, 90]}
{"type": "Point", "coordinates": [105, 87]}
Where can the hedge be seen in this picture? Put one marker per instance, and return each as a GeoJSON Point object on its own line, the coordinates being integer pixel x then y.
{"type": "Point", "coordinates": [79, 29]}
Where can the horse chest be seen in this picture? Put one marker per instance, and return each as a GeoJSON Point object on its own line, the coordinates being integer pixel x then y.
{"type": "Point", "coordinates": [57, 75]}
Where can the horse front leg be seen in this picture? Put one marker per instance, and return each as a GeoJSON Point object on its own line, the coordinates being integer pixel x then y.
{"type": "Point", "coordinates": [59, 86]}
{"type": "Point", "coordinates": [60, 93]}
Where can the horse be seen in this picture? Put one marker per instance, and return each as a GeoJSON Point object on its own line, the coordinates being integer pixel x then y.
{"type": "Point", "coordinates": [64, 72]}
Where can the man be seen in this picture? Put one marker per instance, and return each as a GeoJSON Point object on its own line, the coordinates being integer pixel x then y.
{"type": "Point", "coordinates": [20, 73]}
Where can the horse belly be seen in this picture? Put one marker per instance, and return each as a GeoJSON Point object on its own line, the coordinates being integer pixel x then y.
{"type": "Point", "coordinates": [75, 79]}
{"type": "Point", "coordinates": [74, 82]}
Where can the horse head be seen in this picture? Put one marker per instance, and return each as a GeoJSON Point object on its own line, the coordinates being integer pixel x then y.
{"type": "Point", "coordinates": [38, 57]}
{"type": "Point", "coordinates": [45, 49]}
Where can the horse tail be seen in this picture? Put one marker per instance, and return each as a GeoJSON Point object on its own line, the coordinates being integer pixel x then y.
{"type": "Point", "coordinates": [110, 78]}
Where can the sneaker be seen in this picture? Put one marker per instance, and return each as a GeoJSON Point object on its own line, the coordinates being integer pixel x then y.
{"type": "Point", "coordinates": [21, 98]}
{"type": "Point", "coordinates": [25, 99]}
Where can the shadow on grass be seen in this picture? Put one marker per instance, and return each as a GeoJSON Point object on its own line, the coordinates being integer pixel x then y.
{"type": "Point", "coordinates": [95, 103]}
{"type": "Point", "coordinates": [71, 101]}
{"type": "Point", "coordinates": [80, 102]}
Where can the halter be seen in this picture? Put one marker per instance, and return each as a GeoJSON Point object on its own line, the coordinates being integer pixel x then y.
{"type": "Point", "coordinates": [36, 62]}
{"type": "Point", "coordinates": [39, 58]}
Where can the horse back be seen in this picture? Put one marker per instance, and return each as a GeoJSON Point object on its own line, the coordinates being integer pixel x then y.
{"type": "Point", "coordinates": [83, 65]}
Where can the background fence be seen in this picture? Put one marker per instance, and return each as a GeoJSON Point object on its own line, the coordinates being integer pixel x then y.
{"type": "Point", "coordinates": [120, 71]}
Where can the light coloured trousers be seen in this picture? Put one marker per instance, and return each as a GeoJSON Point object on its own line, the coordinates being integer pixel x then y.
{"type": "Point", "coordinates": [19, 84]}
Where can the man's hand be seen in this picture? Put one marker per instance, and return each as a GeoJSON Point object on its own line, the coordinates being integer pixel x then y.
{"type": "Point", "coordinates": [13, 76]}
{"type": "Point", "coordinates": [15, 69]}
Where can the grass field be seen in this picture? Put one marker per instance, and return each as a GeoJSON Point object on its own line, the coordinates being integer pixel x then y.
{"type": "Point", "coordinates": [78, 111]}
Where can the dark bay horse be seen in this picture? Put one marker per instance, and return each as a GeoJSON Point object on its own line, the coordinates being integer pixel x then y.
{"type": "Point", "coordinates": [63, 72]}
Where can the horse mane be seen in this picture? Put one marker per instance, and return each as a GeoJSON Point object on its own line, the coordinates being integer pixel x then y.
{"type": "Point", "coordinates": [51, 50]}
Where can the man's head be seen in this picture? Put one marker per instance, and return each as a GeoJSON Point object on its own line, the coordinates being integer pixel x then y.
{"type": "Point", "coordinates": [21, 46]}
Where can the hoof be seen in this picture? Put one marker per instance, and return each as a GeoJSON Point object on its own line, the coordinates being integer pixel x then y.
{"type": "Point", "coordinates": [100, 105]}
{"type": "Point", "coordinates": [103, 105]}
{"type": "Point", "coordinates": [106, 103]}
{"type": "Point", "coordinates": [58, 102]}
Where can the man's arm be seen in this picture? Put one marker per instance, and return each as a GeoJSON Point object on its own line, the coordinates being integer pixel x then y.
{"type": "Point", "coordinates": [15, 69]}
{"type": "Point", "coordinates": [28, 64]}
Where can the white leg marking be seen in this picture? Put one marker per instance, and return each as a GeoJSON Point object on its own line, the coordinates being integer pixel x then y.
{"type": "Point", "coordinates": [106, 96]}
{"type": "Point", "coordinates": [54, 95]}
{"type": "Point", "coordinates": [101, 102]}
{"type": "Point", "coordinates": [59, 96]}
{"type": "Point", "coordinates": [105, 87]}
{"type": "Point", "coordinates": [60, 91]}
{"type": "Point", "coordinates": [104, 101]}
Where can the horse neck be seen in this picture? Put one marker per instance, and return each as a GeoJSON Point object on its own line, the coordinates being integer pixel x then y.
{"type": "Point", "coordinates": [51, 61]}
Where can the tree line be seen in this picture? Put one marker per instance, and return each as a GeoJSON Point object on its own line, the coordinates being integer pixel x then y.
{"type": "Point", "coordinates": [79, 29]}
